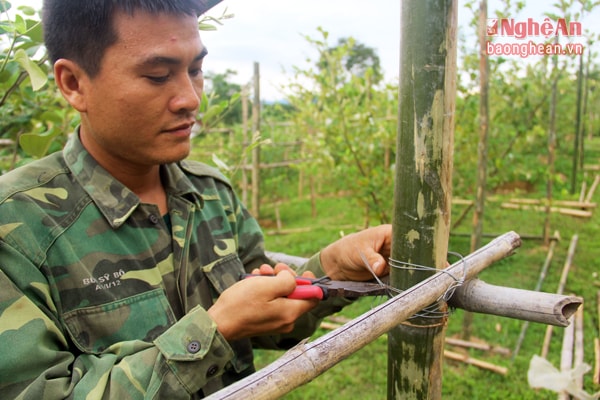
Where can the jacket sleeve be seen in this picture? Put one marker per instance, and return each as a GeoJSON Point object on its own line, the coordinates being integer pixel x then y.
{"type": "Point", "coordinates": [252, 253]}
{"type": "Point", "coordinates": [40, 361]}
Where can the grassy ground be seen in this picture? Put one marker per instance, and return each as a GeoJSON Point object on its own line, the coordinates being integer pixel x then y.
{"type": "Point", "coordinates": [364, 374]}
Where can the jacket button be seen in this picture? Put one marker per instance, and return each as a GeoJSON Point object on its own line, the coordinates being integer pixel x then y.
{"type": "Point", "coordinates": [212, 370]}
{"type": "Point", "coordinates": [153, 218]}
{"type": "Point", "coordinates": [193, 346]}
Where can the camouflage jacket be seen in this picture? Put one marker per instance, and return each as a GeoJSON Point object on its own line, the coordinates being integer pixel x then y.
{"type": "Point", "coordinates": [102, 297]}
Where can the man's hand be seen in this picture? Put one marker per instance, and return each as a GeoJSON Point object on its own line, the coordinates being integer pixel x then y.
{"type": "Point", "coordinates": [258, 306]}
{"type": "Point", "coordinates": [342, 259]}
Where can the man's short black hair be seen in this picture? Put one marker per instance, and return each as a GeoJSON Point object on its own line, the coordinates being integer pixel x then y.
{"type": "Point", "coordinates": [82, 30]}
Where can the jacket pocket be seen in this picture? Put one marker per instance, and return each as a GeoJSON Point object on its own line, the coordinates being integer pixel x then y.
{"type": "Point", "coordinates": [140, 317]}
{"type": "Point", "coordinates": [224, 272]}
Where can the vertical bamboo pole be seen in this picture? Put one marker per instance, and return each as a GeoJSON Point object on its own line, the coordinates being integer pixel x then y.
{"type": "Point", "coordinates": [256, 149]}
{"type": "Point", "coordinates": [245, 142]}
{"type": "Point", "coordinates": [421, 223]}
{"type": "Point", "coordinates": [484, 116]}
{"type": "Point", "coordinates": [577, 145]}
{"type": "Point", "coordinates": [551, 148]}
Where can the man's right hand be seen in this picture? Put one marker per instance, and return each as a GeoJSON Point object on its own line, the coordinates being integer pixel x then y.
{"type": "Point", "coordinates": [258, 306]}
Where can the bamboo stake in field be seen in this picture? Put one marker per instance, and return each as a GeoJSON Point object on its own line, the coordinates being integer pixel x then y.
{"type": "Point", "coordinates": [561, 288]}
{"type": "Point", "coordinates": [256, 149]}
{"type": "Point", "coordinates": [423, 187]}
{"type": "Point", "coordinates": [578, 350]}
{"type": "Point", "coordinates": [596, 378]}
{"type": "Point", "coordinates": [538, 287]}
{"type": "Point", "coordinates": [310, 359]}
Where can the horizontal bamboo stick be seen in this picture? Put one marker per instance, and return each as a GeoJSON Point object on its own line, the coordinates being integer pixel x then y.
{"type": "Point", "coordinates": [477, 346]}
{"type": "Point", "coordinates": [473, 361]}
{"type": "Point", "coordinates": [560, 210]}
{"type": "Point", "coordinates": [310, 359]}
{"type": "Point", "coordinates": [546, 308]}
{"type": "Point", "coordinates": [564, 203]}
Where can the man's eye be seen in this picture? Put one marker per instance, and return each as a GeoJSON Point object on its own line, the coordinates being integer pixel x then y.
{"type": "Point", "coordinates": [195, 72]}
{"type": "Point", "coordinates": [158, 79]}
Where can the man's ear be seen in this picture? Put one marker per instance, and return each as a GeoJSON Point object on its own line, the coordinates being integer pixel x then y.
{"type": "Point", "coordinates": [71, 79]}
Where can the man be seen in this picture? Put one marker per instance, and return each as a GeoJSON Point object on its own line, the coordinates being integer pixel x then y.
{"type": "Point", "coordinates": [119, 261]}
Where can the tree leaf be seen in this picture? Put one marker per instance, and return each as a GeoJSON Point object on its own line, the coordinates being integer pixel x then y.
{"type": "Point", "coordinates": [36, 75]}
{"type": "Point", "coordinates": [37, 144]}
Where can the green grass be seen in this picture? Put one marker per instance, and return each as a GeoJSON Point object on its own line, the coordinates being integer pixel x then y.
{"type": "Point", "coordinates": [364, 374]}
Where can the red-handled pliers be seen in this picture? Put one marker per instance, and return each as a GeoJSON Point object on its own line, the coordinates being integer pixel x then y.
{"type": "Point", "coordinates": [323, 288]}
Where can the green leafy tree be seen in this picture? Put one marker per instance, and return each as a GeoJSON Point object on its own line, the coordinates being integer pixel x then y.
{"type": "Point", "coordinates": [35, 118]}
{"type": "Point", "coordinates": [358, 59]}
{"type": "Point", "coordinates": [347, 123]}
{"type": "Point", "coordinates": [222, 90]}
{"type": "Point", "coordinates": [34, 114]}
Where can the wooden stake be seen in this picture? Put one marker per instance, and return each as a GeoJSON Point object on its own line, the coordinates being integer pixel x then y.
{"type": "Point", "coordinates": [473, 361]}
{"type": "Point", "coordinates": [561, 287]}
{"type": "Point", "coordinates": [566, 355]}
{"type": "Point", "coordinates": [596, 378]}
{"type": "Point", "coordinates": [590, 194]}
{"type": "Point", "coordinates": [560, 210]}
{"type": "Point", "coordinates": [477, 346]}
{"type": "Point", "coordinates": [579, 345]}
{"type": "Point", "coordinates": [538, 286]}
{"type": "Point", "coordinates": [564, 203]}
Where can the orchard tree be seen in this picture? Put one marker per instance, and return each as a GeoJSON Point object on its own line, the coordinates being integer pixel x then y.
{"type": "Point", "coordinates": [347, 123]}
{"type": "Point", "coordinates": [358, 59]}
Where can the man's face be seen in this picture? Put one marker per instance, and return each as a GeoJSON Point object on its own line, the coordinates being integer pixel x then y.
{"type": "Point", "coordinates": [140, 108]}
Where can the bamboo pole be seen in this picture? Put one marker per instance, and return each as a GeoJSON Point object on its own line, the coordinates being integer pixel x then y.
{"type": "Point", "coordinates": [473, 361]}
{"type": "Point", "coordinates": [565, 203]}
{"type": "Point", "coordinates": [578, 351]}
{"type": "Point", "coordinates": [560, 210]}
{"type": "Point", "coordinates": [245, 142]}
{"type": "Point", "coordinates": [256, 148]}
{"type": "Point", "coordinates": [551, 149]}
{"type": "Point", "coordinates": [578, 142]}
{"type": "Point", "coordinates": [484, 70]}
{"type": "Point", "coordinates": [596, 377]}
{"type": "Point", "coordinates": [538, 287]}
{"type": "Point", "coordinates": [590, 193]}
{"type": "Point", "coordinates": [545, 308]}
{"type": "Point", "coordinates": [462, 216]}
{"type": "Point", "coordinates": [566, 354]}
{"type": "Point", "coordinates": [477, 346]}
{"type": "Point", "coordinates": [478, 214]}
{"type": "Point", "coordinates": [423, 186]}
{"type": "Point", "coordinates": [561, 287]}
{"type": "Point", "coordinates": [308, 360]}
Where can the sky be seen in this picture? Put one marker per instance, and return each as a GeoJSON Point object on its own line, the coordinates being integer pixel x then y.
{"type": "Point", "coordinates": [272, 33]}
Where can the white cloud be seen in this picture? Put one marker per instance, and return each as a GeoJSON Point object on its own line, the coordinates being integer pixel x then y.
{"type": "Point", "coordinates": [272, 33]}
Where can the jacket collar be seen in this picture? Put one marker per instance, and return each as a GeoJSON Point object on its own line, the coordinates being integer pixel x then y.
{"type": "Point", "coordinates": [114, 200]}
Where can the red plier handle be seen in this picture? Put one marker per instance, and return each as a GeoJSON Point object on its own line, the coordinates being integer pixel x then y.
{"type": "Point", "coordinates": [306, 288]}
